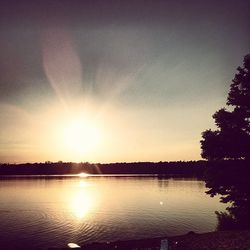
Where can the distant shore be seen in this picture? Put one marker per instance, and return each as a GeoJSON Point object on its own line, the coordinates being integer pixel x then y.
{"type": "Point", "coordinates": [178, 168]}
{"type": "Point", "coordinates": [219, 240]}
{"type": "Point", "coordinates": [196, 169]}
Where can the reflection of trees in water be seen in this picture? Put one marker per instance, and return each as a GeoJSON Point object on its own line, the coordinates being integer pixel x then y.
{"type": "Point", "coordinates": [231, 181]}
{"type": "Point", "coordinates": [163, 182]}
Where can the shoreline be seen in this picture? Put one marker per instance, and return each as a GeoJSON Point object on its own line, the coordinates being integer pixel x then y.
{"type": "Point", "coordinates": [221, 240]}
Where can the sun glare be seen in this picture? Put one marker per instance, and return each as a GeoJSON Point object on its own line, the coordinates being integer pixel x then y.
{"type": "Point", "coordinates": [80, 136]}
{"type": "Point", "coordinates": [83, 175]}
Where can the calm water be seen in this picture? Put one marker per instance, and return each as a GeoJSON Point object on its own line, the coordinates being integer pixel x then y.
{"type": "Point", "coordinates": [42, 213]}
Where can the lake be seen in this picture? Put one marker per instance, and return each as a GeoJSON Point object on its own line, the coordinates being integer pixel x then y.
{"type": "Point", "coordinates": [52, 212]}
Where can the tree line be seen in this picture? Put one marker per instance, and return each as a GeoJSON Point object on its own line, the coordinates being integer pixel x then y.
{"type": "Point", "coordinates": [179, 168]}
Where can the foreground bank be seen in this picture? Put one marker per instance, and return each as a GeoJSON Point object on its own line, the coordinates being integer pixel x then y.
{"type": "Point", "coordinates": [221, 240]}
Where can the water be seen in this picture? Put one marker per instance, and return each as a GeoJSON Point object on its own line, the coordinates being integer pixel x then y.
{"type": "Point", "coordinates": [51, 212]}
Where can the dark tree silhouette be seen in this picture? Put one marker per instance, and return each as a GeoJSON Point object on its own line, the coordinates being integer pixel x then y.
{"type": "Point", "coordinates": [228, 149]}
{"type": "Point", "coordinates": [231, 181]}
{"type": "Point", "coordinates": [232, 138]}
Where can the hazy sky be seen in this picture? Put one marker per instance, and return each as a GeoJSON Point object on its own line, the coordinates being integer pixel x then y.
{"type": "Point", "coordinates": [107, 81]}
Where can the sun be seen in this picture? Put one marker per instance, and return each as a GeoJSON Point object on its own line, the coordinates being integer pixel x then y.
{"type": "Point", "coordinates": [81, 136]}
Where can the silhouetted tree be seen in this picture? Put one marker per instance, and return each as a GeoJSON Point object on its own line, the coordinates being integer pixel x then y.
{"type": "Point", "coordinates": [230, 179]}
{"type": "Point", "coordinates": [232, 138]}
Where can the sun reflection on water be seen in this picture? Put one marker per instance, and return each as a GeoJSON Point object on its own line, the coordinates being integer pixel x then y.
{"type": "Point", "coordinates": [83, 184]}
{"type": "Point", "coordinates": [83, 175]}
{"type": "Point", "coordinates": [82, 200]}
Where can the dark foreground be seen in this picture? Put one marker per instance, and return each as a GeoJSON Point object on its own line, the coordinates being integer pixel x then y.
{"type": "Point", "coordinates": [222, 240]}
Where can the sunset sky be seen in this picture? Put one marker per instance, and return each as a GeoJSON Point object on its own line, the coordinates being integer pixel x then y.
{"type": "Point", "coordinates": [115, 81]}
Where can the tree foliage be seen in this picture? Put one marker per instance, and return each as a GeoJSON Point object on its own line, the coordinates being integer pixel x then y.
{"type": "Point", "coordinates": [232, 138]}
{"type": "Point", "coordinates": [231, 142]}
{"type": "Point", "coordinates": [231, 181]}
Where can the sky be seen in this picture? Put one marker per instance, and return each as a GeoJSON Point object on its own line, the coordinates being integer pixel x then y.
{"type": "Point", "coordinates": [115, 81]}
